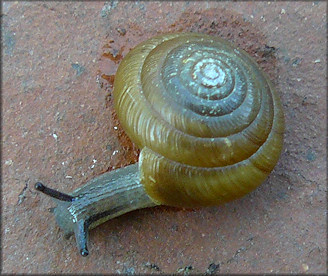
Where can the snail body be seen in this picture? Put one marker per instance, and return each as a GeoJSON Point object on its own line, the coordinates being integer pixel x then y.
{"type": "Point", "coordinates": [207, 120]}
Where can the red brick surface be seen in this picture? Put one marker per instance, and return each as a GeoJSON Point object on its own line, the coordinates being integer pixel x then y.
{"type": "Point", "coordinates": [59, 127]}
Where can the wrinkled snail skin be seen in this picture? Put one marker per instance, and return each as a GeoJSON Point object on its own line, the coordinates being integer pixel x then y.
{"type": "Point", "coordinates": [102, 198]}
{"type": "Point", "coordinates": [207, 120]}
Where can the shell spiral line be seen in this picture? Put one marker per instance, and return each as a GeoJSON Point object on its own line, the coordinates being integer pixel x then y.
{"type": "Point", "coordinates": [207, 120]}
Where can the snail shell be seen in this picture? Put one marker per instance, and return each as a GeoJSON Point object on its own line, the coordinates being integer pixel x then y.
{"type": "Point", "coordinates": [208, 120]}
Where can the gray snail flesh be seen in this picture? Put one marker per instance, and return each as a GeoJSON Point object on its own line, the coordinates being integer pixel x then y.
{"type": "Point", "coordinates": [207, 120]}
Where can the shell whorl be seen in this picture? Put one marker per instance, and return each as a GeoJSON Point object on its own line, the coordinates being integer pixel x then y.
{"type": "Point", "coordinates": [208, 121]}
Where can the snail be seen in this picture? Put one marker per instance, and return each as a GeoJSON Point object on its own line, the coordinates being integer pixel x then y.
{"type": "Point", "coordinates": [209, 124]}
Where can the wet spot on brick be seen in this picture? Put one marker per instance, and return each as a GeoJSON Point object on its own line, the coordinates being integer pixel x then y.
{"type": "Point", "coordinates": [130, 271]}
{"type": "Point", "coordinates": [108, 7]}
{"type": "Point", "coordinates": [152, 266]}
{"type": "Point", "coordinates": [121, 31]}
{"type": "Point", "coordinates": [296, 61]}
{"type": "Point", "coordinates": [78, 68]}
{"type": "Point", "coordinates": [268, 51]}
{"type": "Point", "coordinates": [185, 270]}
{"type": "Point", "coordinates": [22, 195]}
{"type": "Point", "coordinates": [213, 268]}
{"type": "Point", "coordinates": [310, 155]}
{"type": "Point", "coordinates": [9, 42]}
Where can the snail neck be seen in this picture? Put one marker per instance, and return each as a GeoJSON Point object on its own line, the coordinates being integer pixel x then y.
{"type": "Point", "coordinates": [110, 195]}
{"type": "Point", "coordinates": [102, 198]}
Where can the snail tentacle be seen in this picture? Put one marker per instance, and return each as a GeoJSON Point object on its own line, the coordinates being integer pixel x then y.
{"type": "Point", "coordinates": [53, 193]}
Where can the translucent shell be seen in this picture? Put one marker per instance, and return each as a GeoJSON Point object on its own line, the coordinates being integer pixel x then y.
{"type": "Point", "coordinates": [208, 120]}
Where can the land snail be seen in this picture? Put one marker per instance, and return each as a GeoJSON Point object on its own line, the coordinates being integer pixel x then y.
{"type": "Point", "coordinates": [208, 122]}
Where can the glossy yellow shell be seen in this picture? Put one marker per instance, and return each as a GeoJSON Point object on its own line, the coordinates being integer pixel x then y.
{"type": "Point", "coordinates": [208, 120]}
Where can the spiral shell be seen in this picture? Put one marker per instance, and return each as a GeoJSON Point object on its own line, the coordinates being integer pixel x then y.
{"type": "Point", "coordinates": [208, 121]}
